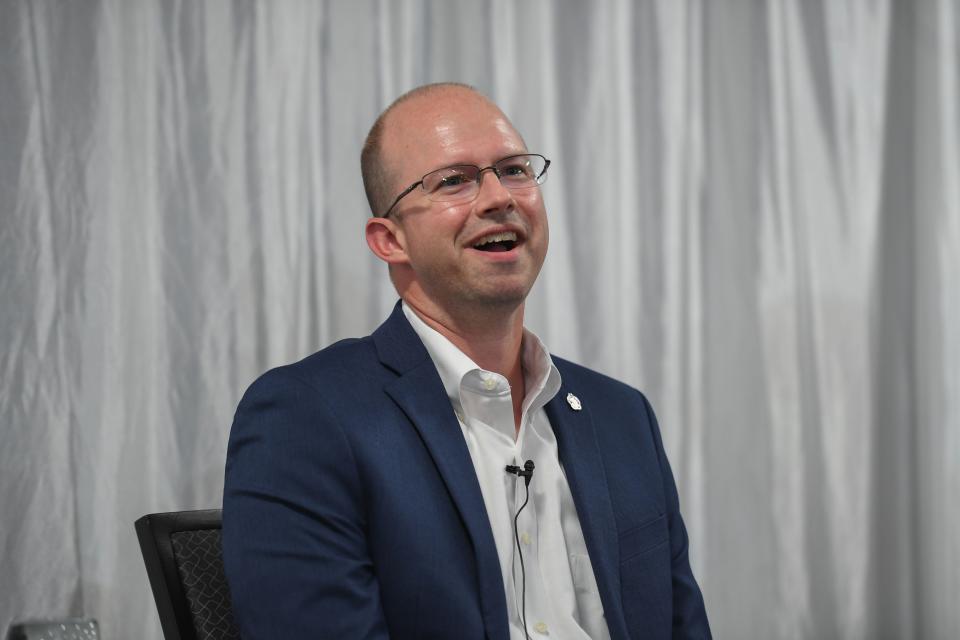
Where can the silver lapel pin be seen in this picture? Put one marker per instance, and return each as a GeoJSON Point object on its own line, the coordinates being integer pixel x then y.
{"type": "Point", "coordinates": [574, 402]}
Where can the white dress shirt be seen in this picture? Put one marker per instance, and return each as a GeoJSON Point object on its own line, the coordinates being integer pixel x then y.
{"type": "Point", "coordinates": [562, 599]}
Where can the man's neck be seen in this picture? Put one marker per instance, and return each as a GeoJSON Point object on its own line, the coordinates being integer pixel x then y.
{"type": "Point", "coordinates": [492, 338]}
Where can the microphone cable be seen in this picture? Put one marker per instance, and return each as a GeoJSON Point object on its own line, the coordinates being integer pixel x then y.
{"type": "Point", "coordinates": [527, 474]}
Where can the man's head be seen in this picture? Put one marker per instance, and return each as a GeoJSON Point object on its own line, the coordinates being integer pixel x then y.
{"type": "Point", "coordinates": [433, 246]}
{"type": "Point", "coordinates": [375, 177]}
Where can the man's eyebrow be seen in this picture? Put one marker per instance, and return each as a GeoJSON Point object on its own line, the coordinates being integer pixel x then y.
{"type": "Point", "coordinates": [474, 164]}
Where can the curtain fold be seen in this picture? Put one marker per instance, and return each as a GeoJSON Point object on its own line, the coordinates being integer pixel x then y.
{"type": "Point", "coordinates": [755, 218]}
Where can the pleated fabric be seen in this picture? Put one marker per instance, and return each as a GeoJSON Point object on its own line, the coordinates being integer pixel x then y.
{"type": "Point", "coordinates": [755, 218]}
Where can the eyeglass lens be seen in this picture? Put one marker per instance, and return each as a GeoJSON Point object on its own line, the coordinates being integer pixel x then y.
{"type": "Point", "coordinates": [463, 181]}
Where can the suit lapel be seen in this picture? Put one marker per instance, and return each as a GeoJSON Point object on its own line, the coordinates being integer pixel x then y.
{"type": "Point", "coordinates": [583, 465]}
{"type": "Point", "coordinates": [419, 392]}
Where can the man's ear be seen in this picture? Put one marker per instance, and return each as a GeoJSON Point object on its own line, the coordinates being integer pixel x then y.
{"type": "Point", "coordinates": [385, 238]}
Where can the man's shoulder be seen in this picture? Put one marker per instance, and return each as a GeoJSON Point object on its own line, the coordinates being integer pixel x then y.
{"type": "Point", "coordinates": [342, 363]}
{"type": "Point", "coordinates": [579, 374]}
{"type": "Point", "coordinates": [581, 380]}
{"type": "Point", "coordinates": [337, 358]}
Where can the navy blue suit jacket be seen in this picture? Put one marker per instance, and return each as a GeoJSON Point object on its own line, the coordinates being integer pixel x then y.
{"type": "Point", "coordinates": [351, 508]}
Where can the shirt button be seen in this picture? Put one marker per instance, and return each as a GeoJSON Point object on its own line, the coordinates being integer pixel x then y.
{"type": "Point", "coordinates": [541, 628]}
{"type": "Point", "coordinates": [525, 538]}
{"type": "Point", "coordinates": [490, 383]}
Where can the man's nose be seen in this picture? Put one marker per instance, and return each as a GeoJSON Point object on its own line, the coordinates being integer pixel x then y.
{"type": "Point", "coordinates": [493, 196]}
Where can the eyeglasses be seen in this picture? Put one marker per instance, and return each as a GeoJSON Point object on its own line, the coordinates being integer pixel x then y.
{"type": "Point", "coordinates": [461, 182]}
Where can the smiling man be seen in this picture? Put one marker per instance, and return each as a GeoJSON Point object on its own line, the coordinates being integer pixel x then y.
{"type": "Point", "coordinates": [446, 477]}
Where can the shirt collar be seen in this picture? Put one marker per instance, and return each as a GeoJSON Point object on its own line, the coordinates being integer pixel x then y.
{"type": "Point", "coordinates": [541, 376]}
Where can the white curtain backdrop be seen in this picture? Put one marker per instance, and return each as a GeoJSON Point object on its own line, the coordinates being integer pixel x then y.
{"type": "Point", "coordinates": [755, 216]}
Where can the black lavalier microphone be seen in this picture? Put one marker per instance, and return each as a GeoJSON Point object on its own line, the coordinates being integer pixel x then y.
{"type": "Point", "coordinates": [527, 474]}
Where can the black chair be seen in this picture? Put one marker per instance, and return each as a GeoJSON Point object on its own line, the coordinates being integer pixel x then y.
{"type": "Point", "coordinates": [182, 553]}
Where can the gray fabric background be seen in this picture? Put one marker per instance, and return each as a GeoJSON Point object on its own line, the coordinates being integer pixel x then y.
{"type": "Point", "coordinates": [755, 217]}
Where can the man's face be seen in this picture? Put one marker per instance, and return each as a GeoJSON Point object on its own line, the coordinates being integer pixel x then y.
{"type": "Point", "coordinates": [440, 238]}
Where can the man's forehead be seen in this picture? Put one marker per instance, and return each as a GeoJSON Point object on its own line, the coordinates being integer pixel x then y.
{"type": "Point", "coordinates": [443, 118]}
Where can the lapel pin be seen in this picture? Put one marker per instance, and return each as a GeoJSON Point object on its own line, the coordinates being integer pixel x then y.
{"type": "Point", "coordinates": [574, 402]}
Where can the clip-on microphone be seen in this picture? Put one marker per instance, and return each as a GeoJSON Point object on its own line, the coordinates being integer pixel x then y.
{"type": "Point", "coordinates": [527, 474]}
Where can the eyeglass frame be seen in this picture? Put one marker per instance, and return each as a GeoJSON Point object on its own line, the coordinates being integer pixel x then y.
{"type": "Point", "coordinates": [480, 170]}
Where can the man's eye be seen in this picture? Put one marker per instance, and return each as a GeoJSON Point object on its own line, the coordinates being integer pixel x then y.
{"type": "Point", "coordinates": [454, 180]}
{"type": "Point", "coordinates": [516, 171]}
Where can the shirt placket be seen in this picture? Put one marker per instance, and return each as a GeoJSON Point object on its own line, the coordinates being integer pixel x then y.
{"type": "Point", "coordinates": [529, 579]}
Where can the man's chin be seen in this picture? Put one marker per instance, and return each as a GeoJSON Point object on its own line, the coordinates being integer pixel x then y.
{"type": "Point", "coordinates": [481, 295]}
{"type": "Point", "coordinates": [507, 298]}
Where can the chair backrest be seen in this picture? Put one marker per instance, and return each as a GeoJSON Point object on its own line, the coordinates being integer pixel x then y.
{"type": "Point", "coordinates": [182, 553]}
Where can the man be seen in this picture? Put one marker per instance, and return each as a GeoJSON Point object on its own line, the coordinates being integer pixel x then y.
{"type": "Point", "coordinates": [367, 488]}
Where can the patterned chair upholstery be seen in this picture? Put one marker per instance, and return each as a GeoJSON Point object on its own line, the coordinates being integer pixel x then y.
{"type": "Point", "coordinates": [182, 553]}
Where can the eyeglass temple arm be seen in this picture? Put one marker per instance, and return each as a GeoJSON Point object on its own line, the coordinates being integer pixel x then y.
{"type": "Point", "coordinates": [401, 196]}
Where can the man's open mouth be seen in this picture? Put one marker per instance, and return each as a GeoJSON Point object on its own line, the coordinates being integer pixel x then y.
{"type": "Point", "coordinates": [504, 241]}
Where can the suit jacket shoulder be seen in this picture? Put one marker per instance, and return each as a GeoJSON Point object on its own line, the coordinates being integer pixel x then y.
{"type": "Point", "coordinates": [350, 510]}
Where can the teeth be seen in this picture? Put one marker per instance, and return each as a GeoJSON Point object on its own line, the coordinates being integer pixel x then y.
{"type": "Point", "coordinates": [498, 237]}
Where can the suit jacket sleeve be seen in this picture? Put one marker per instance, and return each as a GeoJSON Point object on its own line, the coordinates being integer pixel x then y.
{"type": "Point", "coordinates": [689, 612]}
{"type": "Point", "coordinates": [295, 552]}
